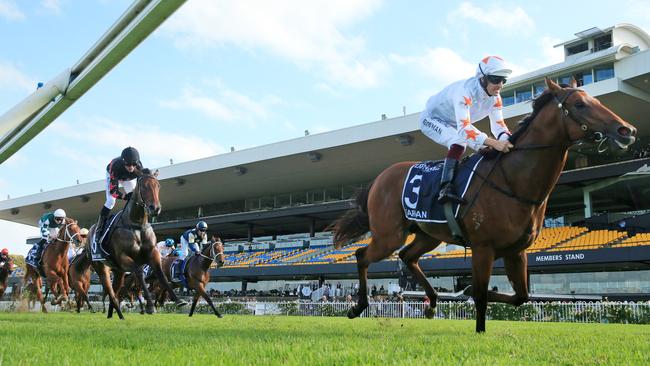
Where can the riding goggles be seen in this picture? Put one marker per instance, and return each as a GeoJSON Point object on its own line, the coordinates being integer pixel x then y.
{"type": "Point", "coordinates": [493, 79]}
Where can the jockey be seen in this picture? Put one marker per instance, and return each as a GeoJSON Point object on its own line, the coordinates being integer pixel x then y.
{"type": "Point", "coordinates": [165, 247]}
{"type": "Point", "coordinates": [193, 239]}
{"type": "Point", "coordinates": [4, 255]}
{"type": "Point", "coordinates": [50, 224]}
{"type": "Point", "coordinates": [448, 117]}
{"type": "Point", "coordinates": [123, 170]}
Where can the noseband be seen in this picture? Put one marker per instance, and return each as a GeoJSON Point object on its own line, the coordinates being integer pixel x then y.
{"type": "Point", "coordinates": [67, 234]}
{"type": "Point", "coordinates": [213, 255]}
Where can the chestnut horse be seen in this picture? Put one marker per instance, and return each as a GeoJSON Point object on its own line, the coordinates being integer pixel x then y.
{"type": "Point", "coordinates": [505, 218]}
{"type": "Point", "coordinates": [55, 266]}
{"type": "Point", "coordinates": [197, 272]}
{"type": "Point", "coordinates": [5, 270]}
{"type": "Point", "coordinates": [132, 244]}
{"type": "Point", "coordinates": [79, 279]}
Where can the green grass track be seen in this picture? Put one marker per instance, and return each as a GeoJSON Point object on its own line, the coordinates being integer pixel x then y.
{"type": "Point", "coordinates": [175, 339]}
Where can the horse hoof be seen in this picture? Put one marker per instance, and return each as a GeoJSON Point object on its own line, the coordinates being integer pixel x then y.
{"type": "Point", "coordinates": [150, 310]}
{"type": "Point", "coordinates": [180, 303]}
{"type": "Point", "coordinates": [429, 312]}
{"type": "Point", "coordinates": [142, 312]}
{"type": "Point", "coordinates": [352, 313]}
{"type": "Point", "coordinates": [219, 316]}
{"type": "Point", "coordinates": [468, 291]}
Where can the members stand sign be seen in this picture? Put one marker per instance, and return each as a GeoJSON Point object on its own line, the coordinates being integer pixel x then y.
{"type": "Point", "coordinates": [560, 257]}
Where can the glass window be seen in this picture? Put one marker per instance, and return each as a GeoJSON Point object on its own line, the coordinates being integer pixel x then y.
{"type": "Point", "coordinates": [584, 77]}
{"type": "Point", "coordinates": [604, 73]}
{"type": "Point", "coordinates": [565, 79]}
{"type": "Point", "coordinates": [508, 98]}
{"type": "Point", "coordinates": [603, 42]}
{"type": "Point", "coordinates": [524, 94]}
{"type": "Point", "coordinates": [571, 50]}
{"type": "Point", "coordinates": [538, 88]}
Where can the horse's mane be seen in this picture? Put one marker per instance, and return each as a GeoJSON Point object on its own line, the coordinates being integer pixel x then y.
{"type": "Point", "coordinates": [538, 104]}
{"type": "Point", "coordinates": [146, 171]}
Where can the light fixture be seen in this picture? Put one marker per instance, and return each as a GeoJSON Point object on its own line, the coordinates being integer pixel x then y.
{"type": "Point", "coordinates": [240, 170]}
{"type": "Point", "coordinates": [85, 198]}
{"type": "Point", "coordinates": [314, 156]}
{"type": "Point", "coordinates": [15, 211]}
{"type": "Point", "coordinates": [179, 181]}
{"type": "Point", "coordinates": [405, 140]}
{"type": "Point", "coordinates": [47, 205]}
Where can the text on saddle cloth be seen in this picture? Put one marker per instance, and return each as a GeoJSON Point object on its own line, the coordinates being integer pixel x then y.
{"type": "Point", "coordinates": [422, 186]}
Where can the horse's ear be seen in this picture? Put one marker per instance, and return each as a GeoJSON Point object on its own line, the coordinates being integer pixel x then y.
{"type": "Point", "coordinates": [155, 174]}
{"type": "Point", "coordinates": [551, 84]}
{"type": "Point", "coordinates": [573, 83]}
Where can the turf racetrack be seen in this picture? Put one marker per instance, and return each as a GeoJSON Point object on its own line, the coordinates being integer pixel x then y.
{"type": "Point", "coordinates": [175, 339]}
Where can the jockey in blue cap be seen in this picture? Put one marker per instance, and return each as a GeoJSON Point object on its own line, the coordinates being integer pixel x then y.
{"type": "Point", "coordinates": [193, 239]}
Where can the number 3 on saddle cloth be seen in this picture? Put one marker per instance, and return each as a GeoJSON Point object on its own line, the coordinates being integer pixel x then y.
{"type": "Point", "coordinates": [422, 185]}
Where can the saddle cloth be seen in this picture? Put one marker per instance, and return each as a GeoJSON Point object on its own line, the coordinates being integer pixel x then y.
{"type": "Point", "coordinates": [178, 272]}
{"type": "Point", "coordinates": [107, 233]}
{"type": "Point", "coordinates": [422, 186]}
{"type": "Point", "coordinates": [34, 258]}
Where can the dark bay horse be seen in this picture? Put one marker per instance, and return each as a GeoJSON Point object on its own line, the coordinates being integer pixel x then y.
{"type": "Point", "coordinates": [55, 265]}
{"type": "Point", "coordinates": [197, 272]}
{"type": "Point", "coordinates": [505, 218]}
{"type": "Point", "coordinates": [5, 270]}
{"type": "Point", "coordinates": [132, 244]}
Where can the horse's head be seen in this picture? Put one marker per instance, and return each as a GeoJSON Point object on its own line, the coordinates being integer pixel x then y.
{"type": "Point", "coordinates": [593, 121]}
{"type": "Point", "coordinates": [216, 251]}
{"type": "Point", "coordinates": [71, 232]}
{"type": "Point", "coordinates": [148, 189]}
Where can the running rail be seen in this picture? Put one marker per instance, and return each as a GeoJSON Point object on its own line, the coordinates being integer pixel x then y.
{"type": "Point", "coordinates": [28, 118]}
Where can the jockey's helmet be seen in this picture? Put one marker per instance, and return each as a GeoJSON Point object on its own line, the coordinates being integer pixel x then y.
{"type": "Point", "coordinates": [59, 213]}
{"type": "Point", "coordinates": [493, 66]}
{"type": "Point", "coordinates": [4, 251]}
{"type": "Point", "coordinates": [169, 242]}
{"type": "Point", "coordinates": [202, 226]}
{"type": "Point", "coordinates": [130, 156]}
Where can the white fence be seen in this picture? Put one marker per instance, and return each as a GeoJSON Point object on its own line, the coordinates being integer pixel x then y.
{"type": "Point", "coordinates": [582, 312]}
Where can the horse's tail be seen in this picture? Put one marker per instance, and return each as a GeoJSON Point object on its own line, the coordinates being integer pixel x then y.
{"type": "Point", "coordinates": [355, 222]}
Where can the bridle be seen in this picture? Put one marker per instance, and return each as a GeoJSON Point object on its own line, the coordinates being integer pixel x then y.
{"type": "Point", "coordinates": [590, 135]}
{"type": "Point", "coordinates": [213, 253]}
{"type": "Point", "coordinates": [140, 200]}
{"type": "Point", "coordinates": [67, 234]}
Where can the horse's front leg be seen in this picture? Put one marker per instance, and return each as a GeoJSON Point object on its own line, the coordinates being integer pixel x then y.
{"type": "Point", "coordinates": [162, 280]}
{"type": "Point", "coordinates": [516, 266]}
{"type": "Point", "coordinates": [482, 260]}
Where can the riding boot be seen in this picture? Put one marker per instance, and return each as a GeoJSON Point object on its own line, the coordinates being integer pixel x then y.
{"type": "Point", "coordinates": [447, 190]}
{"type": "Point", "coordinates": [96, 251]}
{"type": "Point", "coordinates": [39, 251]}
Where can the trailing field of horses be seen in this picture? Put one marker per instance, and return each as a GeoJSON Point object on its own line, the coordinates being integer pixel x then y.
{"type": "Point", "coordinates": [56, 338]}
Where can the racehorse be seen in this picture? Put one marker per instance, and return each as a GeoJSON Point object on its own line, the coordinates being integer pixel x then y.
{"type": "Point", "coordinates": [79, 279]}
{"type": "Point", "coordinates": [132, 244]}
{"type": "Point", "coordinates": [505, 218]}
{"type": "Point", "coordinates": [55, 266]}
{"type": "Point", "coordinates": [5, 270]}
{"type": "Point", "coordinates": [197, 272]}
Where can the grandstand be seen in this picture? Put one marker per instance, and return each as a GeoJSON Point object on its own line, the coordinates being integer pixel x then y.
{"type": "Point", "coordinates": [272, 203]}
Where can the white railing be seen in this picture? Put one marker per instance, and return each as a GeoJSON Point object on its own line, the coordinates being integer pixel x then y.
{"type": "Point", "coordinates": [581, 312]}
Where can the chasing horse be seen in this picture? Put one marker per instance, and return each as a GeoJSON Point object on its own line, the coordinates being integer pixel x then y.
{"type": "Point", "coordinates": [194, 272]}
{"type": "Point", "coordinates": [509, 194]}
{"type": "Point", "coordinates": [54, 266]}
{"type": "Point", "coordinates": [6, 266]}
{"type": "Point", "coordinates": [130, 243]}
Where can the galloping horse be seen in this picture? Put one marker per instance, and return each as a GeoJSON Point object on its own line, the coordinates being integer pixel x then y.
{"type": "Point", "coordinates": [5, 270]}
{"type": "Point", "coordinates": [132, 244]}
{"type": "Point", "coordinates": [55, 265]}
{"type": "Point", "coordinates": [79, 279]}
{"type": "Point", "coordinates": [197, 271]}
{"type": "Point", "coordinates": [505, 218]}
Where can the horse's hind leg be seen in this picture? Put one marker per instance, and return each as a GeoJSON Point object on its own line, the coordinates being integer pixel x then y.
{"type": "Point", "coordinates": [516, 268]}
{"type": "Point", "coordinates": [410, 255]}
{"type": "Point", "coordinates": [139, 276]}
{"type": "Point", "coordinates": [38, 283]}
{"type": "Point", "coordinates": [104, 276]}
{"type": "Point", "coordinates": [482, 261]}
{"type": "Point", "coordinates": [377, 250]}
